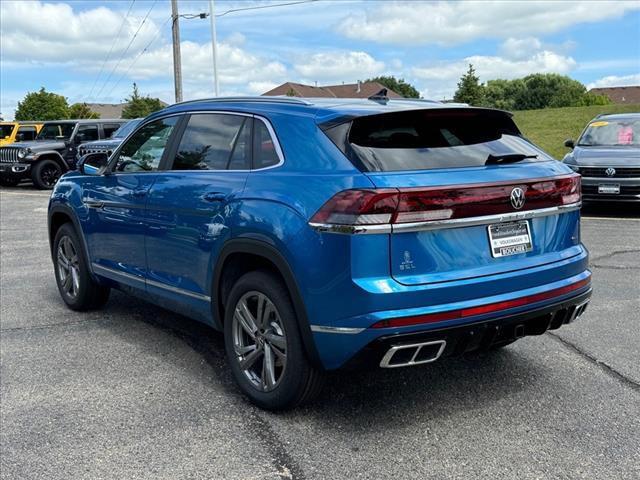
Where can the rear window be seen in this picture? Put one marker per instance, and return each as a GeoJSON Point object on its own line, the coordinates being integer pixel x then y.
{"type": "Point", "coordinates": [431, 139]}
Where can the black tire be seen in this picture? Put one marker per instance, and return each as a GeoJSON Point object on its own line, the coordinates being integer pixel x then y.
{"type": "Point", "coordinates": [87, 294]}
{"type": "Point", "coordinates": [299, 382]}
{"type": "Point", "coordinates": [9, 181]}
{"type": "Point", "coordinates": [45, 174]}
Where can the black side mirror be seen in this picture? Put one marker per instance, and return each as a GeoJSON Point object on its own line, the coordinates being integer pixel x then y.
{"type": "Point", "coordinates": [569, 143]}
{"type": "Point", "coordinates": [93, 163]}
{"type": "Point", "coordinates": [79, 138]}
{"type": "Point", "coordinates": [20, 137]}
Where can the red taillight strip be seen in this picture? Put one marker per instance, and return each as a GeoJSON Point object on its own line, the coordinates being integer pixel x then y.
{"type": "Point", "coordinates": [481, 309]}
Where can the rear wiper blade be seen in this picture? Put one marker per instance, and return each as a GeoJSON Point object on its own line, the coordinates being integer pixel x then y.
{"type": "Point", "coordinates": [507, 158]}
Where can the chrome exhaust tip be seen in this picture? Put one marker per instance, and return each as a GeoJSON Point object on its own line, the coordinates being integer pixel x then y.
{"type": "Point", "coordinates": [413, 354]}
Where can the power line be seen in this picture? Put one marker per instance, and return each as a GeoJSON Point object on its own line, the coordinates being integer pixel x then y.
{"type": "Point", "coordinates": [139, 55]}
{"type": "Point", "coordinates": [260, 7]}
{"type": "Point", "coordinates": [127, 49]}
{"type": "Point", "coordinates": [113, 44]}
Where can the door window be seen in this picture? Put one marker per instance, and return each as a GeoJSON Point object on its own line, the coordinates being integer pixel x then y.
{"type": "Point", "coordinates": [215, 142]}
{"type": "Point", "coordinates": [87, 133]}
{"type": "Point", "coordinates": [144, 150]}
{"type": "Point", "coordinates": [109, 128]}
{"type": "Point", "coordinates": [28, 133]}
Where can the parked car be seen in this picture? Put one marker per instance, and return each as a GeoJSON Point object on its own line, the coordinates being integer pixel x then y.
{"type": "Point", "coordinates": [322, 234]}
{"type": "Point", "coordinates": [11, 132]}
{"type": "Point", "coordinates": [53, 151]}
{"type": "Point", "coordinates": [607, 155]}
{"type": "Point", "coordinates": [108, 145]}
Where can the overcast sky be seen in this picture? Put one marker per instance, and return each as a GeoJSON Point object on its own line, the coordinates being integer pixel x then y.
{"type": "Point", "coordinates": [84, 49]}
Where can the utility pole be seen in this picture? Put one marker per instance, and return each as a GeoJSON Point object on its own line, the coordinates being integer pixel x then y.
{"type": "Point", "coordinates": [177, 62]}
{"type": "Point", "coordinates": [212, 17]}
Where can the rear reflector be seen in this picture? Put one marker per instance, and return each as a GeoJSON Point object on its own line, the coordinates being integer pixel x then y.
{"type": "Point", "coordinates": [481, 309]}
{"type": "Point", "coordinates": [419, 205]}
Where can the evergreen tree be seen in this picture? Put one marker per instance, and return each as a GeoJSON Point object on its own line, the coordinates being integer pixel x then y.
{"type": "Point", "coordinates": [470, 90]}
{"type": "Point", "coordinates": [397, 85]}
{"type": "Point", "coordinates": [139, 106]}
{"type": "Point", "coordinates": [82, 110]}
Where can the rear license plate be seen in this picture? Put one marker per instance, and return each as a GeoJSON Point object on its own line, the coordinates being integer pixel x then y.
{"type": "Point", "coordinates": [510, 238]}
{"type": "Point", "coordinates": [609, 188]}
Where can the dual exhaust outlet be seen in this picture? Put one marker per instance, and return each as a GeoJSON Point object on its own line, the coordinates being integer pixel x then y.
{"type": "Point", "coordinates": [413, 354]}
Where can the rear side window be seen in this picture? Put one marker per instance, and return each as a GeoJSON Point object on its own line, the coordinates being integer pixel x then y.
{"type": "Point", "coordinates": [27, 132]}
{"type": "Point", "coordinates": [110, 128]}
{"type": "Point", "coordinates": [431, 139]}
{"type": "Point", "coordinates": [87, 133]}
{"type": "Point", "coordinates": [215, 142]}
{"type": "Point", "coordinates": [265, 152]}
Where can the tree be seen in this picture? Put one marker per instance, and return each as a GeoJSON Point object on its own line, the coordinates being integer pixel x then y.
{"type": "Point", "coordinates": [42, 105]}
{"type": "Point", "coordinates": [139, 106]}
{"type": "Point", "coordinates": [291, 93]}
{"type": "Point", "coordinates": [82, 110]}
{"type": "Point", "coordinates": [470, 90]}
{"type": "Point", "coordinates": [397, 85]}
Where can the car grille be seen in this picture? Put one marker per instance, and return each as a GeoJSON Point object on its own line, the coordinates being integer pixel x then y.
{"type": "Point", "coordinates": [9, 154]}
{"type": "Point", "coordinates": [82, 151]}
{"type": "Point", "coordinates": [622, 172]}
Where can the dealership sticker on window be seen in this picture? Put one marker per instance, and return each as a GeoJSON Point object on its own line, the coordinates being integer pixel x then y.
{"type": "Point", "coordinates": [509, 238]}
{"type": "Point", "coordinates": [599, 124]}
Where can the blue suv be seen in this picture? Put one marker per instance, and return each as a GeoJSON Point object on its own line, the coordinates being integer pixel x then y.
{"type": "Point", "coordinates": [320, 234]}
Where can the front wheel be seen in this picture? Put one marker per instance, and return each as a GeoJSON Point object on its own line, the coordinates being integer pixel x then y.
{"type": "Point", "coordinates": [78, 290]}
{"type": "Point", "coordinates": [263, 344]}
{"type": "Point", "coordinates": [45, 174]}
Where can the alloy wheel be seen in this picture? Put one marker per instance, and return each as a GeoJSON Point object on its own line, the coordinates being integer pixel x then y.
{"type": "Point", "coordinates": [68, 267]}
{"type": "Point", "coordinates": [259, 341]}
{"type": "Point", "coordinates": [50, 175]}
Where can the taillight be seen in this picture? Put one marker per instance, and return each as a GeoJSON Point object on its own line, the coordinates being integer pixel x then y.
{"type": "Point", "coordinates": [390, 206]}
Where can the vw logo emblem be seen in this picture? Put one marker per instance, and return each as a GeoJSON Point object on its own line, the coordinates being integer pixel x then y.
{"type": "Point", "coordinates": [517, 198]}
{"type": "Point", "coordinates": [610, 171]}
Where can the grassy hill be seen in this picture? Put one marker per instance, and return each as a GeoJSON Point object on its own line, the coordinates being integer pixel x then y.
{"type": "Point", "coordinates": [550, 127]}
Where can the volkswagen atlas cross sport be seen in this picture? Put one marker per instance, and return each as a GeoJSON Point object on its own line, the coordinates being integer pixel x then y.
{"type": "Point", "coordinates": [607, 155]}
{"type": "Point", "coordinates": [325, 234]}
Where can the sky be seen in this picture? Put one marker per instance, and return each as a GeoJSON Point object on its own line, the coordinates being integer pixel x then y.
{"type": "Point", "coordinates": [92, 51]}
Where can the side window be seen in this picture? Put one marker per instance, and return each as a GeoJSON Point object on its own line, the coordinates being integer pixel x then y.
{"type": "Point", "coordinates": [28, 133]}
{"type": "Point", "coordinates": [215, 142]}
{"type": "Point", "coordinates": [143, 151]}
{"type": "Point", "coordinates": [87, 133]}
{"type": "Point", "coordinates": [264, 150]}
{"type": "Point", "coordinates": [109, 128]}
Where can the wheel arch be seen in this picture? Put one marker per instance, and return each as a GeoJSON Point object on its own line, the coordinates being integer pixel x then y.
{"type": "Point", "coordinates": [59, 215]}
{"type": "Point", "coordinates": [259, 255]}
{"type": "Point", "coordinates": [51, 155]}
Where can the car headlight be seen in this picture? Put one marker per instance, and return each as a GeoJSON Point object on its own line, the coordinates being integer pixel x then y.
{"type": "Point", "coordinates": [22, 153]}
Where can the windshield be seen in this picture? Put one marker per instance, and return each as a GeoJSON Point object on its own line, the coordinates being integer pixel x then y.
{"type": "Point", "coordinates": [52, 130]}
{"type": "Point", "coordinates": [432, 139]}
{"type": "Point", "coordinates": [126, 129]}
{"type": "Point", "coordinates": [608, 133]}
{"type": "Point", "coordinates": [5, 130]}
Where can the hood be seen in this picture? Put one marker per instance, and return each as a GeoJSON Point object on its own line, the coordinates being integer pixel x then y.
{"type": "Point", "coordinates": [102, 144]}
{"type": "Point", "coordinates": [39, 145]}
{"type": "Point", "coordinates": [607, 156]}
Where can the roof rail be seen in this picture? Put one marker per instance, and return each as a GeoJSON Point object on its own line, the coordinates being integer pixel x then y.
{"type": "Point", "coordinates": [256, 99]}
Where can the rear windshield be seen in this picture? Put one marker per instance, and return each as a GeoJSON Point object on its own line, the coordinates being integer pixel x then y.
{"type": "Point", "coordinates": [432, 139]}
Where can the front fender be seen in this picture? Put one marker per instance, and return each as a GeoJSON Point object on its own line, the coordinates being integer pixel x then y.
{"type": "Point", "coordinates": [53, 155]}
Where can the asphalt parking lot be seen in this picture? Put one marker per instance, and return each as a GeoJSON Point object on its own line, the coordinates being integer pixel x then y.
{"type": "Point", "coordinates": [135, 391]}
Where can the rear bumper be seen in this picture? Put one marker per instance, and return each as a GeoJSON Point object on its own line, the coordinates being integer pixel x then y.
{"type": "Point", "coordinates": [455, 341]}
{"type": "Point", "coordinates": [522, 312]}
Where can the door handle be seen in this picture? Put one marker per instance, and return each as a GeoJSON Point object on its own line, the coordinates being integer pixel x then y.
{"type": "Point", "coordinates": [214, 197]}
{"type": "Point", "coordinates": [94, 204]}
{"type": "Point", "coordinates": [139, 193]}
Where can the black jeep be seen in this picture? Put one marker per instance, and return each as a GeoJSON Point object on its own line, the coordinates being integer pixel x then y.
{"type": "Point", "coordinates": [52, 153]}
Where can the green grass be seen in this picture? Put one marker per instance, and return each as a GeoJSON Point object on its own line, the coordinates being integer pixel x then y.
{"type": "Point", "coordinates": [550, 127]}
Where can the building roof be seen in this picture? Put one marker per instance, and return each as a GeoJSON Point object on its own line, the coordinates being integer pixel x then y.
{"type": "Point", "coordinates": [347, 90]}
{"type": "Point", "coordinates": [629, 95]}
{"type": "Point", "coordinates": [111, 110]}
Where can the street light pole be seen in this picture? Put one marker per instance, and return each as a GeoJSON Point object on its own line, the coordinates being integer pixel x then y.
{"type": "Point", "coordinates": [214, 50]}
{"type": "Point", "coordinates": [177, 62]}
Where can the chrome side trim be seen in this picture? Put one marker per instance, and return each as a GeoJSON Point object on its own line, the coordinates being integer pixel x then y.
{"type": "Point", "coordinates": [180, 291]}
{"type": "Point", "coordinates": [345, 330]}
{"type": "Point", "coordinates": [385, 362]}
{"type": "Point", "coordinates": [97, 266]}
{"type": "Point", "coordinates": [439, 224]}
{"type": "Point", "coordinates": [153, 283]}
